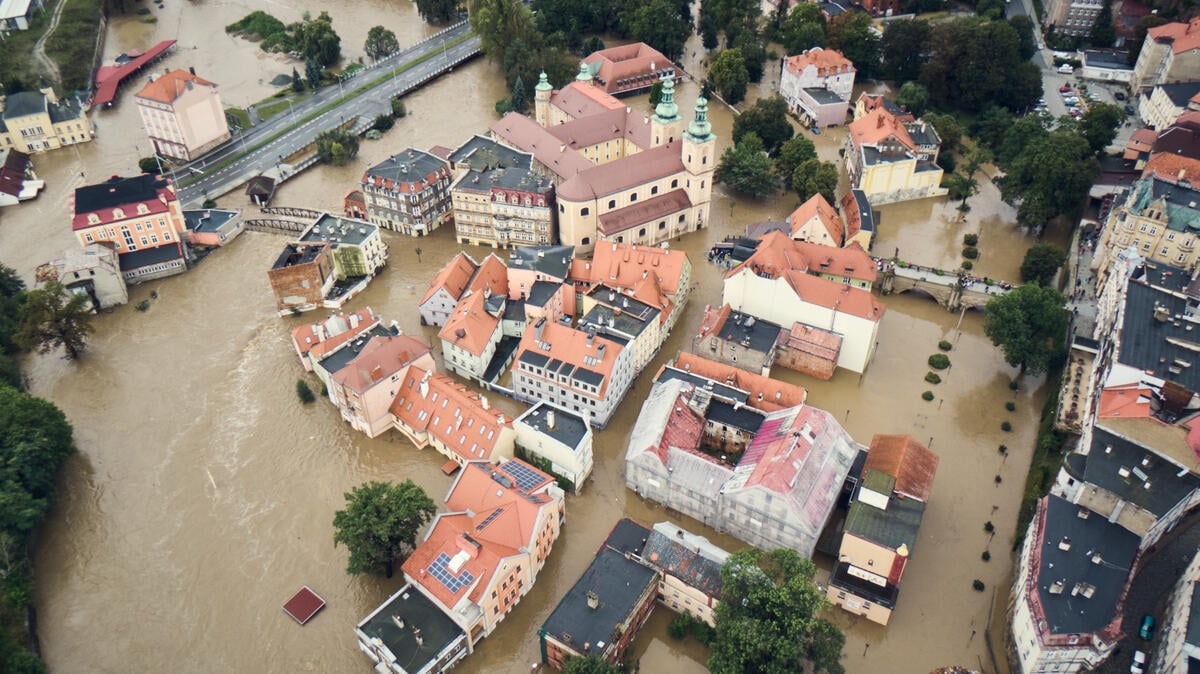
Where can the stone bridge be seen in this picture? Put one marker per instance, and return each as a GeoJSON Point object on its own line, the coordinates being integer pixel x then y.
{"type": "Point", "coordinates": [946, 287]}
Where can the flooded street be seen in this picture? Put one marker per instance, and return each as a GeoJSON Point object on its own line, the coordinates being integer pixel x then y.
{"type": "Point", "coordinates": [203, 493]}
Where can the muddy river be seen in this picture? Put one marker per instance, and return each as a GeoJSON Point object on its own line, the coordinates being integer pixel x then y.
{"type": "Point", "coordinates": [203, 492]}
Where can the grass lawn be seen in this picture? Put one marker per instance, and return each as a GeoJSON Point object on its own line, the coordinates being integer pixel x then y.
{"type": "Point", "coordinates": [16, 52]}
{"type": "Point", "coordinates": [269, 110]}
{"type": "Point", "coordinates": [73, 43]}
{"type": "Point", "coordinates": [243, 119]}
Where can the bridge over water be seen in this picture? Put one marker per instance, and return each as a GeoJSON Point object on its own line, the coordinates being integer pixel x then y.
{"type": "Point", "coordinates": [947, 287]}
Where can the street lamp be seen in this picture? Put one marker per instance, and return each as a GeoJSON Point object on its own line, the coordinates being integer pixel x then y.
{"type": "Point", "coordinates": [418, 252]}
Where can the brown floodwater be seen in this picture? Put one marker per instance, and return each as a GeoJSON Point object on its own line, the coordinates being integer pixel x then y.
{"type": "Point", "coordinates": [203, 492]}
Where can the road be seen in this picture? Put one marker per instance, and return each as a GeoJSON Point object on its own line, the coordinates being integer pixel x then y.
{"type": "Point", "coordinates": [248, 162]}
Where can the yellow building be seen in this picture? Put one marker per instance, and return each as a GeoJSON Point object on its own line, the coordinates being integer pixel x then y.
{"type": "Point", "coordinates": [892, 160]}
{"type": "Point", "coordinates": [1157, 217]}
{"type": "Point", "coordinates": [36, 121]}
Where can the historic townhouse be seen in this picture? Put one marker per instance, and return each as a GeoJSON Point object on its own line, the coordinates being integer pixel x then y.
{"type": "Point", "coordinates": [141, 217]}
{"type": "Point", "coordinates": [36, 121]}
{"type": "Point", "coordinates": [408, 192]}
{"type": "Point", "coordinates": [182, 115]}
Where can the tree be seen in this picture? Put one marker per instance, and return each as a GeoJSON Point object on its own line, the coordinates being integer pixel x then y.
{"type": "Point", "coordinates": [148, 165]}
{"type": "Point", "coordinates": [913, 97]}
{"type": "Point", "coordinates": [656, 90]}
{"type": "Point", "coordinates": [794, 152]}
{"type": "Point", "coordinates": [499, 23]}
{"type": "Point", "coordinates": [804, 28]}
{"type": "Point", "coordinates": [1029, 324]}
{"type": "Point", "coordinates": [1104, 33]}
{"type": "Point", "coordinates": [520, 103]}
{"type": "Point", "coordinates": [948, 129]}
{"type": "Point", "coordinates": [1051, 176]}
{"type": "Point", "coordinates": [336, 146]}
{"type": "Point", "coordinates": [297, 83]}
{"type": "Point", "coordinates": [592, 45]}
{"type": "Point", "coordinates": [1024, 27]}
{"type": "Point", "coordinates": [990, 126]}
{"type": "Point", "coordinates": [816, 177]}
{"type": "Point", "coordinates": [313, 72]}
{"type": "Point", "coordinates": [1099, 125]}
{"type": "Point", "coordinates": [35, 440]}
{"type": "Point", "coordinates": [590, 664]}
{"type": "Point", "coordinates": [1041, 263]}
{"type": "Point", "coordinates": [959, 186]}
{"type": "Point", "coordinates": [380, 522]}
{"type": "Point", "coordinates": [746, 168]}
{"type": "Point", "coordinates": [438, 11]}
{"type": "Point", "coordinates": [381, 42]}
{"type": "Point", "coordinates": [753, 53]}
{"type": "Point", "coordinates": [661, 24]}
{"type": "Point", "coordinates": [729, 76]}
{"type": "Point", "coordinates": [767, 119]}
{"type": "Point", "coordinates": [768, 619]}
{"type": "Point", "coordinates": [12, 294]}
{"type": "Point", "coordinates": [318, 41]}
{"type": "Point", "coordinates": [53, 316]}
{"type": "Point", "coordinates": [973, 64]}
{"type": "Point", "coordinates": [902, 49]}
{"type": "Point", "coordinates": [852, 34]}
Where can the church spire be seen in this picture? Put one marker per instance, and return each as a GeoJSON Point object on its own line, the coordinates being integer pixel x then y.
{"type": "Point", "coordinates": [543, 84]}
{"type": "Point", "coordinates": [666, 111]}
{"type": "Point", "coordinates": [585, 73]}
{"type": "Point", "coordinates": [700, 130]}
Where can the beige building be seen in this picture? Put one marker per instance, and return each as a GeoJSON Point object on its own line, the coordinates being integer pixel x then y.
{"type": "Point", "coordinates": [1171, 53]}
{"type": "Point", "coordinates": [689, 567]}
{"type": "Point", "coordinates": [893, 160]}
{"type": "Point", "coordinates": [552, 434]}
{"type": "Point", "coordinates": [620, 176]}
{"type": "Point", "coordinates": [1073, 18]}
{"type": "Point", "coordinates": [182, 115]}
{"type": "Point", "coordinates": [1162, 105]}
{"type": "Point", "coordinates": [36, 121]}
{"type": "Point", "coordinates": [1179, 652]}
{"type": "Point", "coordinates": [498, 199]}
{"type": "Point", "coordinates": [1159, 218]}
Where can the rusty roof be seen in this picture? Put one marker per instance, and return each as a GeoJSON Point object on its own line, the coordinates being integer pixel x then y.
{"type": "Point", "coordinates": [470, 327]}
{"type": "Point", "coordinates": [817, 208]}
{"type": "Point", "coordinates": [527, 135]}
{"type": "Point", "coordinates": [766, 394]}
{"type": "Point", "coordinates": [453, 277]}
{"type": "Point", "coordinates": [828, 62]}
{"type": "Point", "coordinates": [910, 462]}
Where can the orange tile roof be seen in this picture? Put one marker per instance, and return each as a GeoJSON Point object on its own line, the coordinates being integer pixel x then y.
{"type": "Point", "coordinates": [470, 326]}
{"type": "Point", "coordinates": [841, 297]}
{"type": "Point", "coordinates": [828, 62]}
{"type": "Point", "coordinates": [450, 412]}
{"type": "Point", "coordinates": [580, 99]}
{"type": "Point", "coordinates": [624, 61]}
{"type": "Point", "coordinates": [777, 253]}
{"type": "Point", "coordinates": [817, 207]}
{"type": "Point", "coordinates": [171, 86]}
{"type": "Point", "coordinates": [1141, 141]}
{"type": "Point", "coordinates": [322, 337]}
{"type": "Point", "coordinates": [876, 126]}
{"type": "Point", "coordinates": [571, 346]}
{"type": "Point", "coordinates": [626, 266]}
{"type": "Point", "coordinates": [766, 394]}
{"type": "Point", "coordinates": [910, 462]}
{"type": "Point", "coordinates": [852, 215]}
{"type": "Point", "coordinates": [379, 359]}
{"type": "Point", "coordinates": [453, 277]}
{"type": "Point", "coordinates": [880, 102]}
{"type": "Point", "coordinates": [492, 275]}
{"type": "Point", "coordinates": [1183, 36]}
{"type": "Point", "coordinates": [1172, 168]}
{"type": "Point", "coordinates": [1129, 402]}
{"type": "Point", "coordinates": [621, 174]}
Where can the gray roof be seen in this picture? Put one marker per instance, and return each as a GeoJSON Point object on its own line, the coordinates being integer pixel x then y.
{"type": "Point", "coordinates": [866, 216]}
{"type": "Point", "coordinates": [823, 96]}
{"type": "Point", "coordinates": [1107, 58]}
{"type": "Point", "coordinates": [64, 110]}
{"type": "Point", "coordinates": [337, 229]}
{"type": "Point", "coordinates": [148, 256]}
{"type": "Point", "coordinates": [688, 557]}
{"type": "Point", "coordinates": [897, 525]}
{"type": "Point", "coordinates": [342, 357]}
{"type": "Point", "coordinates": [514, 310]}
{"type": "Point", "coordinates": [719, 389]}
{"type": "Point", "coordinates": [25, 103]}
{"type": "Point", "coordinates": [438, 631]}
{"type": "Point", "coordinates": [293, 255]}
{"type": "Point", "coordinates": [208, 219]}
{"type": "Point", "coordinates": [922, 133]}
{"type": "Point", "coordinates": [482, 153]}
{"type": "Point", "coordinates": [118, 191]}
{"type": "Point", "coordinates": [618, 583]}
{"type": "Point", "coordinates": [410, 165]}
{"type": "Point", "coordinates": [1154, 346]}
{"type": "Point", "coordinates": [541, 292]}
{"type": "Point", "coordinates": [517, 179]}
{"type": "Point", "coordinates": [1111, 455]}
{"type": "Point", "coordinates": [612, 325]}
{"type": "Point", "coordinates": [1069, 612]}
{"type": "Point", "coordinates": [627, 536]}
{"type": "Point", "coordinates": [1181, 93]}
{"type": "Point", "coordinates": [553, 261]}
{"type": "Point", "coordinates": [738, 416]}
{"type": "Point", "coordinates": [615, 299]}
{"type": "Point", "coordinates": [569, 429]}
{"type": "Point", "coordinates": [750, 332]}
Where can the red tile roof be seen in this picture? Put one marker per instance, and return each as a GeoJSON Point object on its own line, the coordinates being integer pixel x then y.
{"type": "Point", "coordinates": [580, 99]}
{"type": "Point", "coordinates": [379, 359]}
{"type": "Point", "coordinates": [777, 253]}
{"type": "Point", "coordinates": [817, 207]}
{"type": "Point", "coordinates": [527, 135]}
{"type": "Point", "coordinates": [828, 62]}
{"type": "Point", "coordinates": [492, 276]}
{"type": "Point", "coordinates": [1130, 401]}
{"type": "Point", "coordinates": [643, 212]}
{"type": "Point", "coordinates": [626, 266]}
{"type": "Point", "coordinates": [1141, 141]}
{"type": "Point", "coordinates": [470, 326]}
{"type": "Point", "coordinates": [453, 277]}
{"type": "Point", "coordinates": [171, 86]}
{"type": "Point", "coordinates": [877, 126]}
{"type": "Point", "coordinates": [622, 174]}
{"type": "Point", "coordinates": [450, 412]}
{"type": "Point", "coordinates": [852, 215]}
{"type": "Point", "coordinates": [1182, 36]}
{"type": "Point", "coordinates": [766, 394]}
{"type": "Point", "coordinates": [910, 462]}
{"type": "Point", "coordinates": [841, 297]}
{"type": "Point", "coordinates": [322, 337]}
{"type": "Point", "coordinates": [625, 61]}
{"type": "Point", "coordinates": [571, 346]}
{"type": "Point", "coordinates": [1172, 168]}
{"type": "Point", "coordinates": [584, 132]}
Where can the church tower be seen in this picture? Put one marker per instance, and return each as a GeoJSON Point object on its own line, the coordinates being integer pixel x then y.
{"type": "Point", "coordinates": [541, 101]}
{"type": "Point", "coordinates": [699, 160]}
{"type": "Point", "coordinates": [665, 124]}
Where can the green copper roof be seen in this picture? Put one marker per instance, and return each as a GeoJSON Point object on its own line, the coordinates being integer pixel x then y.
{"type": "Point", "coordinates": [700, 130]}
{"type": "Point", "coordinates": [666, 110]}
{"type": "Point", "coordinates": [543, 84]}
{"type": "Point", "coordinates": [585, 73]}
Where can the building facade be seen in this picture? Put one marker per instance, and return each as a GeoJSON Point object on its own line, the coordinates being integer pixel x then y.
{"type": "Point", "coordinates": [1072, 18]}
{"type": "Point", "coordinates": [817, 84]}
{"type": "Point", "coordinates": [498, 199]}
{"type": "Point", "coordinates": [409, 192]}
{"type": "Point", "coordinates": [554, 435]}
{"type": "Point", "coordinates": [301, 277]}
{"type": "Point", "coordinates": [140, 217]}
{"type": "Point", "coordinates": [1170, 53]}
{"type": "Point", "coordinates": [1157, 217]}
{"type": "Point", "coordinates": [365, 388]}
{"type": "Point", "coordinates": [37, 121]}
{"type": "Point", "coordinates": [182, 114]}
{"type": "Point", "coordinates": [890, 160]}
{"type": "Point", "coordinates": [433, 410]}
{"type": "Point", "coordinates": [93, 270]}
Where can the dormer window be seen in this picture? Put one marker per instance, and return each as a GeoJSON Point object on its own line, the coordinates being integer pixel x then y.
{"type": "Point", "coordinates": [118, 214]}
{"type": "Point", "coordinates": [93, 219]}
{"type": "Point", "coordinates": [142, 209]}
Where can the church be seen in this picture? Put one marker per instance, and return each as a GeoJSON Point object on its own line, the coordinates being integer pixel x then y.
{"type": "Point", "coordinates": [621, 176]}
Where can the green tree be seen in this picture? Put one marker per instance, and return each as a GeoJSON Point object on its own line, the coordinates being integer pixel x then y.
{"type": "Point", "coordinates": [499, 23]}
{"type": "Point", "coordinates": [973, 64]}
{"type": "Point", "coordinates": [656, 93]}
{"type": "Point", "coordinates": [12, 294]}
{"type": "Point", "coordinates": [1051, 176]}
{"type": "Point", "coordinates": [380, 522]}
{"type": "Point", "coordinates": [661, 24]}
{"type": "Point", "coordinates": [753, 53]}
{"type": "Point", "coordinates": [1042, 261]}
{"type": "Point", "coordinates": [35, 440]}
{"type": "Point", "coordinates": [336, 146]}
{"type": "Point", "coordinates": [793, 153]}
{"type": "Point", "coordinates": [590, 664]}
{"type": "Point", "coordinates": [148, 165]}
{"type": "Point", "coordinates": [729, 76]}
{"type": "Point", "coordinates": [1029, 324]}
{"type": "Point", "coordinates": [53, 316]}
{"type": "Point", "coordinates": [438, 11]}
{"type": "Point", "coordinates": [1024, 27]}
{"type": "Point", "coordinates": [803, 29]}
{"type": "Point", "coordinates": [297, 83]}
{"type": "Point", "coordinates": [902, 49]}
{"type": "Point", "coordinates": [520, 103]}
{"type": "Point", "coordinates": [990, 126]}
{"type": "Point", "coordinates": [1021, 134]}
{"type": "Point", "coordinates": [816, 177]}
{"type": "Point", "coordinates": [852, 34]}
{"type": "Point", "coordinates": [913, 97]}
{"type": "Point", "coordinates": [767, 119]}
{"type": "Point", "coordinates": [1104, 33]}
{"type": "Point", "coordinates": [1099, 125]}
{"type": "Point", "coordinates": [313, 72]}
{"type": "Point", "coordinates": [318, 41]}
{"type": "Point", "coordinates": [380, 42]}
{"type": "Point", "coordinates": [768, 621]}
{"type": "Point", "coordinates": [959, 186]}
{"type": "Point", "coordinates": [948, 129]}
{"type": "Point", "coordinates": [746, 168]}
{"type": "Point", "coordinates": [592, 45]}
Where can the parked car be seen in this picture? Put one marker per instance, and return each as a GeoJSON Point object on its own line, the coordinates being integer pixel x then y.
{"type": "Point", "coordinates": [1138, 666]}
{"type": "Point", "coordinates": [1146, 631]}
{"type": "Point", "coordinates": [1119, 96]}
{"type": "Point", "coordinates": [1066, 69]}
{"type": "Point", "coordinates": [1064, 88]}
{"type": "Point", "coordinates": [1129, 110]}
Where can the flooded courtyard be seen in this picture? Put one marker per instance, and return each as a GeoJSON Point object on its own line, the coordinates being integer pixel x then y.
{"type": "Point", "coordinates": [203, 493]}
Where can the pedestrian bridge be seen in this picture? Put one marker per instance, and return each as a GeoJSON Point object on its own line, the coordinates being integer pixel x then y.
{"type": "Point", "coordinates": [951, 289]}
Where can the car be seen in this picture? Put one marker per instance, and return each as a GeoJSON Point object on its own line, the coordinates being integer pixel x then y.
{"type": "Point", "coordinates": [1129, 110]}
{"type": "Point", "coordinates": [1065, 88]}
{"type": "Point", "coordinates": [1066, 69]}
{"type": "Point", "coordinates": [1138, 666]}
{"type": "Point", "coordinates": [1119, 96]}
{"type": "Point", "coordinates": [816, 130]}
{"type": "Point", "coordinates": [1146, 631]}
{"type": "Point", "coordinates": [1076, 114]}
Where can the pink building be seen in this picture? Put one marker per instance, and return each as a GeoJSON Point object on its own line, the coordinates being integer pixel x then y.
{"type": "Point", "coordinates": [182, 114]}
{"type": "Point", "coordinates": [365, 388]}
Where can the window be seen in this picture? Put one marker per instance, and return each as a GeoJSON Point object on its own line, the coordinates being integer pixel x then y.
{"type": "Point", "coordinates": [662, 225]}
{"type": "Point", "coordinates": [675, 183]}
{"type": "Point", "coordinates": [642, 232]}
{"type": "Point", "coordinates": [654, 190]}
{"type": "Point", "coordinates": [585, 211]}
{"type": "Point", "coordinates": [612, 203]}
{"type": "Point", "coordinates": [682, 217]}
{"type": "Point", "coordinates": [587, 240]}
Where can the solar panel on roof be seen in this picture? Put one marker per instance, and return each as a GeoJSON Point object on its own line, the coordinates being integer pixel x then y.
{"type": "Point", "coordinates": [440, 569]}
{"type": "Point", "coordinates": [523, 475]}
{"type": "Point", "coordinates": [489, 519]}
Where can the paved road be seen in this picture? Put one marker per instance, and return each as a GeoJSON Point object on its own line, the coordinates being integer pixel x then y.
{"type": "Point", "coordinates": [250, 163]}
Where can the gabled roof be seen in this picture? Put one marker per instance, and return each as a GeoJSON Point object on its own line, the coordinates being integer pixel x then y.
{"type": "Point", "coordinates": [858, 213]}
{"type": "Point", "coordinates": [624, 61]}
{"type": "Point", "coordinates": [450, 412]}
{"type": "Point", "coordinates": [470, 327]}
{"type": "Point", "coordinates": [528, 136]}
{"type": "Point", "coordinates": [828, 62]}
{"type": "Point", "coordinates": [1181, 36]}
{"type": "Point", "coordinates": [1173, 168]}
{"type": "Point", "coordinates": [840, 297]}
{"type": "Point", "coordinates": [765, 393]}
{"type": "Point", "coordinates": [589, 359]}
{"type": "Point", "coordinates": [686, 556]}
{"type": "Point", "coordinates": [583, 99]}
{"type": "Point", "coordinates": [776, 254]}
{"type": "Point", "coordinates": [816, 208]}
{"type": "Point", "coordinates": [874, 101]}
{"type": "Point", "coordinates": [908, 461]}
{"type": "Point", "coordinates": [491, 276]}
{"type": "Point", "coordinates": [622, 174]}
{"type": "Point", "coordinates": [380, 359]}
{"type": "Point", "coordinates": [453, 277]}
{"type": "Point", "coordinates": [553, 261]}
{"type": "Point", "coordinates": [167, 88]}
{"type": "Point", "coordinates": [628, 267]}
{"type": "Point", "coordinates": [154, 192]}
{"type": "Point", "coordinates": [877, 126]}
{"type": "Point", "coordinates": [323, 336]}
{"type": "Point", "coordinates": [409, 171]}
{"type": "Point", "coordinates": [25, 103]}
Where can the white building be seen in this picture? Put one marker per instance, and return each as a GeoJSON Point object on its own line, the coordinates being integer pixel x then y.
{"type": "Point", "coordinates": [817, 85]}
{"type": "Point", "coordinates": [558, 436]}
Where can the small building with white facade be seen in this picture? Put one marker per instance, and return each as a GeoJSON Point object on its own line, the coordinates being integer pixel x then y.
{"type": "Point", "coordinates": [548, 433]}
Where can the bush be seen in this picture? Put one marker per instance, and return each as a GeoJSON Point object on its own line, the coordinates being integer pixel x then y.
{"type": "Point", "coordinates": [939, 361]}
{"type": "Point", "coordinates": [142, 306]}
{"type": "Point", "coordinates": [1004, 449]}
{"type": "Point", "coordinates": [978, 585]}
{"type": "Point", "coordinates": [383, 123]}
{"type": "Point", "coordinates": [967, 265]}
{"type": "Point", "coordinates": [398, 109]}
{"type": "Point", "coordinates": [1005, 426]}
{"type": "Point", "coordinates": [989, 527]}
{"type": "Point", "coordinates": [932, 378]}
{"type": "Point", "coordinates": [999, 479]}
{"type": "Point", "coordinates": [970, 252]}
{"type": "Point", "coordinates": [987, 556]}
{"type": "Point", "coordinates": [1014, 385]}
{"type": "Point", "coordinates": [209, 203]}
{"type": "Point", "coordinates": [304, 392]}
{"type": "Point", "coordinates": [143, 11]}
{"type": "Point", "coordinates": [148, 165]}
{"type": "Point", "coordinates": [1010, 406]}
{"type": "Point", "coordinates": [970, 239]}
{"type": "Point", "coordinates": [373, 134]}
{"type": "Point", "coordinates": [684, 625]}
{"type": "Point", "coordinates": [945, 345]}
{"type": "Point", "coordinates": [927, 396]}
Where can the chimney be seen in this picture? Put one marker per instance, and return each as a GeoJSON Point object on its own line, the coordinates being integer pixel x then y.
{"type": "Point", "coordinates": [600, 352]}
{"type": "Point", "coordinates": [593, 601]}
{"type": "Point", "coordinates": [538, 327]}
{"type": "Point", "coordinates": [192, 70]}
{"type": "Point", "coordinates": [483, 402]}
{"type": "Point", "coordinates": [550, 419]}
